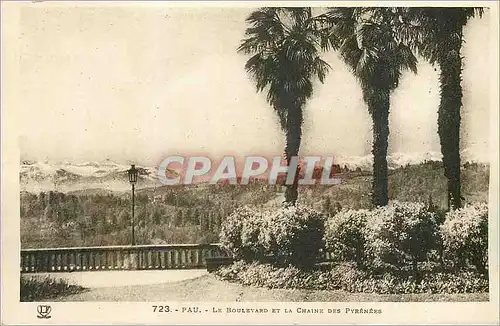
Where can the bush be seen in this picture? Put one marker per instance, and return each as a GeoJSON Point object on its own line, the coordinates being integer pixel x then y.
{"type": "Point", "coordinates": [345, 235]}
{"type": "Point", "coordinates": [348, 278]}
{"type": "Point", "coordinates": [231, 232]}
{"type": "Point", "coordinates": [465, 236]}
{"type": "Point", "coordinates": [251, 243]}
{"type": "Point", "coordinates": [293, 235]}
{"type": "Point", "coordinates": [37, 288]}
{"type": "Point", "coordinates": [401, 233]}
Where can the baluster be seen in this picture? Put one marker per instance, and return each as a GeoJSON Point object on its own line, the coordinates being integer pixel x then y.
{"type": "Point", "coordinates": [41, 261]}
{"type": "Point", "coordinates": [30, 256]}
{"type": "Point", "coordinates": [102, 258]}
{"type": "Point", "coordinates": [112, 259]}
{"type": "Point", "coordinates": [46, 261]}
{"type": "Point", "coordinates": [177, 263]}
{"type": "Point", "coordinates": [164, 263]}
{"type": "Point", "coordinates": [157, 259]}
{"type": "Point", "coordinates": [85, 260]}
{"type": "Point", "coordinates": [57, 265]}
{"type": "Point", "coordinates": [72, 265]}
{"type": "Point", "coordinates": [105, 259]}
{"type": "Point", "coordinates": [170, 259]}
{"type": "Point", "coordinates": [129, 261]}
{"type": "Point", "coordinates": [69, 259]}
{"type": "Point", "coordinates": [121, 259]}
{"type": "Point", "coordinates": [149, 255]}
{"type": "Point", "coordinates": [78, 260]}
{"type": "Point", "coordinates": [64, 260]}
{"type": "Point", "coordinates": [193, 258]}
{"type": "Point", "coordinates": [199, 253]}
{"type": "Point", "coordinates": [65, 256]}
{"type": "Point", "coordinates": [178, 253]}
{"type": "Point", "coordinates": [22, 262]}
{"type": "Point", "coordinates": [93, 259]}
{"type": "Point", "coordinates": [137, 259]}
{"type": "Point", "coordinates": [36, 256]}
{"type": "Point", "coordinates": [52, 259]}
{"type": "Point", "coordinates": [185, 254]}
{"type": "Point", "coordinates": [35, 261]}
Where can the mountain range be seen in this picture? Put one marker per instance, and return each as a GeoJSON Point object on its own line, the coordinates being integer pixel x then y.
{"type": "Point", "coordinates": [36, 176]}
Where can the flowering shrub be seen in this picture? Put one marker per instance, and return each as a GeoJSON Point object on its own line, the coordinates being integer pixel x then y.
{"type": "Point", "coordinates": [251, 244]}
{"type": "Point", "coordinates": [345, 235]}
{"type": "Point", "coordinates": [38, 288]}
{"type": "Point", "coordinates": [348, 278]}
{"type": "Point", "coordinates": [465, 236]}
{"type": "Point", "coordinates": [293, 235]}
{"type": "Point", "coordinates": [231, 232]}
{"type": "Point", "coordinates": [400, 233]}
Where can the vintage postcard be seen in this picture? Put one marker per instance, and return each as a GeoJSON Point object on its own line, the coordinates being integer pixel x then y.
{"type": "Point", "coordinates": [249, 162]}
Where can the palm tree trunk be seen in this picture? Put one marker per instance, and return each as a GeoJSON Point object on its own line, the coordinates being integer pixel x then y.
{"type": "Point", "coordinates": [449, 115]}
{"type": "Point", "coordinates": [378, 105]}
{"type": "Point", "coordinates": [293, 138]}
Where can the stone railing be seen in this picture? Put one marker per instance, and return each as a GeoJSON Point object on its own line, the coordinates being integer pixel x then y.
{"type": "Point", "coordinates": [177, 256]}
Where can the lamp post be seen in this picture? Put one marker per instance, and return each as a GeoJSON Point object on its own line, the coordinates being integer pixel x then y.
{"type": "Point", "coordinates": [132, 177]}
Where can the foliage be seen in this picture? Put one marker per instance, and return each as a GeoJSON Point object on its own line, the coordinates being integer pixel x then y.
{"type": "Point", "coordinates": [240, 233]}
{"type": "Point", "coordinates": [162, 215]}
{"type": "Point", "coordinates": [465, 236]}
{"type": "Point", "coordinates": [284, 48]}
{"type": "Point", "coordinates": [345, 235]}
{"type": "Point", "coordinates": [401, 233]}
{"type": "Point", "coordinates": [251, 237]}
{"type": "Point", "coordinates": [437, 34]}
{"type": "Point", "coordinates": [348, 278]}
{"type": "Point", "coordinates": [290, 235]}
{"type": "Point", "coordinates": [293, 235]}
{"type": "Point", "coordinates": [365, 39]}
{"type": "Point", "coordinates": [37, 288]}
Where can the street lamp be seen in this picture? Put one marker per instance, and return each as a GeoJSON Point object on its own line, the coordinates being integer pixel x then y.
{"type": "Point", "coordinates": [132, 178]}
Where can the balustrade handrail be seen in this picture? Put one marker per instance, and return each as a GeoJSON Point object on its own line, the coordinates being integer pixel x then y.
{"type": "Point", "coordinates": [126, 247]}
{"type": "Point", "coordinates": [165, 256]}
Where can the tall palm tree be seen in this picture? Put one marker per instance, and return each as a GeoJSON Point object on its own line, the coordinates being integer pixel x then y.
{"type": "Point", "coordinates": [365, 38]}
{"type": "Point", "coordinates": [437, 34]}
{"type": "Point", "coordinates": [284, 44]}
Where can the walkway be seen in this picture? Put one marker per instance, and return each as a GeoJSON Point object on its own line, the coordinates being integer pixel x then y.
{"type": "Point", "coordinates": [124, 278]}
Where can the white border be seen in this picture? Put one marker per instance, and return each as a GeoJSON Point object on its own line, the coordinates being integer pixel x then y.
{"type": "Point", "coordinates": [14, 312]}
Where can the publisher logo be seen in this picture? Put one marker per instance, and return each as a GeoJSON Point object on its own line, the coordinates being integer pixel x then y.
{"type": "Point", "coordinates": [44, 311]}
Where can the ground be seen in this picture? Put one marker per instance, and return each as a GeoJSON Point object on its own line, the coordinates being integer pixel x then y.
{"type": "Point", "coordinates": [208, 288]}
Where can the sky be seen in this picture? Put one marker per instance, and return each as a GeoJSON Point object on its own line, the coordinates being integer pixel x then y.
{"type": "Point", "coordinates": [138, 83]}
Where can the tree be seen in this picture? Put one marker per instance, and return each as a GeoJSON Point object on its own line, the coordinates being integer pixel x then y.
{"type": "Point", "coordinates": [437, 34]}
{"type": "Point", "coordinates": [284, 45]}
{"type": "Point", "coordinates": [365, 38]}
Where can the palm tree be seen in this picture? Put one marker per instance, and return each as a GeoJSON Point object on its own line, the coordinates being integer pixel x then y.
{"type": "Point", "coordinates": [437, 34]}
{"type": "Point", "coordinates": [284, 45]}
{"type": "Point", "coordinates": [365, 38]}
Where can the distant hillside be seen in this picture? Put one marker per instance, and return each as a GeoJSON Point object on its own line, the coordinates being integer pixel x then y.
{"type": "Point", "coordinates": [111, 176]}
{"type": "Point", "coordinates": [409, 183]}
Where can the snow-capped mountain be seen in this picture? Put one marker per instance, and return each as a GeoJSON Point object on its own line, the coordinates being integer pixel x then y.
{"type": "Point", "coordinates": [108, 175]}
{"type": "Point", "coordinates": [396, 160]}
{"type": "Point", "coordinates": [65, 176]}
